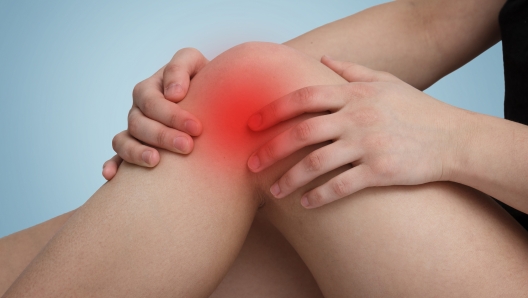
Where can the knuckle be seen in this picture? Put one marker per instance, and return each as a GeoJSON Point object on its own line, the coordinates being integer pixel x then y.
{"type": "Point", "coordinates": [194, 53]}
{"type": "Point", "coordinates": [303, 131]}
{"type": "Point", "coordinates": [362, 90]}
{"type": "Point", "coordinates": [269, 151]}
{"type": "Point", "coordinates": [365, 116]}
{"type": "Point", "coordinates": [173, 67]}
{"type": "Point", "coordinates": [115, 142]}
{"type": "Point", "coordinates": [148, 106]}
{"type": "Point", "coordinates": [340, 187]}
{"type": "Point", "coordinates": [304, 96]}
{"type": "Point", "coordinates": [127, 153]}
{"type": "Point", "coordinates": [316, 198]}
{"type": "Point", "coordinates": [274, 110]}
{"type": "Point", "coordinates": [138, 90]}
{"type": "Point", "coordinates": [133, 124]}
{"type": "Point", "coordinates": [377, 142]}
{"type": "Point", "coordinates": [173, 120]}
{"type": "Point", "coordinates": [385, 167]}
{"type": "Point", "coordinates": [160, 137]}
{"type": "Point", "coordinates": [288, 180]}
{"type": "Point", "coordinates": [350, 70]}
{"type": "Point", "coordinates": [186, 50]}
{"type": "Point", "coordinates": [314, 161]}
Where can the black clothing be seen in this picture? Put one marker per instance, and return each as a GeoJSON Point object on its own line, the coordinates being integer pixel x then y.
{"type": "Point", "coordinates": [513, 21]}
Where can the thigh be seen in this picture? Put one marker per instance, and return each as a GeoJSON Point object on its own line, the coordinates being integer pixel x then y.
{"type": "Point", "coordinates": [437, 239]}
{"type": "Point", "coordinates": [267, 266]}
{"type": "Point", "coordinates": [162, 230]}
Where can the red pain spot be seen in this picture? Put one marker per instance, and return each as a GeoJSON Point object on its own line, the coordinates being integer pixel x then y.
{"type": "Point", "coordinates": [233, 98]}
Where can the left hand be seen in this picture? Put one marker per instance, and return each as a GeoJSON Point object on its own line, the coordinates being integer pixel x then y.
{"type": "Point", "coordinates": [390, 132]}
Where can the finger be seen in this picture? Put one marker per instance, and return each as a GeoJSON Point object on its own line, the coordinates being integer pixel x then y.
{"type": "Point", "coordinates": [312, 131]}
{"type": "Point", "coordinates": [156, 134]}
{"type": "Point", "coordinates": [151, 102]}
{"type": "Point", "coordinates": [132, 151]}
{"type": "Point", "coordinates": [315, 164]}
{"type": "Point", "coordinates": [305, 100]}
{"type": "Point", "coordinates": [179, 71]}
{"type": "Point", "coordinates": [342, 185]}
{"type": "Point", "coordinates": [353, 72]}
{"type": "Point", "coordinates": [110, 167]}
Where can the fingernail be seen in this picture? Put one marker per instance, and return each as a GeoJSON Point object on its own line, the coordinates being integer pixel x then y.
{"type": "Point", "coordinates": [304, 202]}
{"type": "Point", "coordinates": [173, 90]}
{"type": "Point", "coordinates": [146, 156]}
{"type": "Point", "coordinates": [180, 143]}
{"type": "Point", "coordinates": [328, 57]}
{"type": "Point", "coordinates": [255, 121]}
{"type": "Point", "coordinates": [275, 189]}
{"type": "Point", "coordinates": [191, 127]}
{"type": "Point", "coordinates": [254, 162]}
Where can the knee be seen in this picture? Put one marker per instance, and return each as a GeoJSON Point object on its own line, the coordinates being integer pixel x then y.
{"type": "Point", "coordinates": [236, 84]}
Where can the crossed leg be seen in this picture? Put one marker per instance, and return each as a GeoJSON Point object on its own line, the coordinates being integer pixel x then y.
{"type": "Point", "coordinates": [176, 229]}
{"type": "Point", "coordinates": [173, 230]}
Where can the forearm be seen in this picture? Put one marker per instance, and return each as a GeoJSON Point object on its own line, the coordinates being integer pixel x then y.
{"type": "Point", "coordinates": [418, 41]}
{"type": "Point", "coordinates": [17, 250]}
{"type": "Point", "coordinates": [493, 158]}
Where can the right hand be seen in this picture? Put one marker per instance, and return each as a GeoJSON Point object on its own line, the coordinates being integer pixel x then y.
{"type": "Point", "coordinates": [155, 119]}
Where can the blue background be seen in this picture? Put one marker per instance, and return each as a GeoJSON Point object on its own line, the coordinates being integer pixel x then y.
{"type": "Point", "coordinates": [67, 69]}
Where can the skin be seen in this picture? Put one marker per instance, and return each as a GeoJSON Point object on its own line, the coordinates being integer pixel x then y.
{"type": "Point", "coordinates": [17, 250]}
{"type": "Point", "coordinates": [453, 136]}
{"type": "Point", "coordinates": [417, 41]}
{"type": "Point", "coordinates": [418, 57]}
{"type": "Point", "coordinates": [266, 266]}
{"type": "Point", "coordinates": [148, 232]}
{"type": "Point", "coordinates": [393, 135]}
{"type": "Point", "coordinates": [428, 46]}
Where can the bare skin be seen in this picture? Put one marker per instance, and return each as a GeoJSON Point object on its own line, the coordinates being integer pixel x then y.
{"type": "Point", "coordinates": [408, 64]}
{"type": "Point", "coordinates": [418, 41]}
{"type": "Point", "coordinates": [412, 241]}
{"type": "Point", "coordinates": [267, 265]}
{"type": "Point", "coordinates": [17, 250]}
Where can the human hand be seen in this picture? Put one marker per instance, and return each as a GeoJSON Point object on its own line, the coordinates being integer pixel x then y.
{"type": "Point", "coordinates": [390, 132]}
{"type": "Point", "coordinates": [155, 118]}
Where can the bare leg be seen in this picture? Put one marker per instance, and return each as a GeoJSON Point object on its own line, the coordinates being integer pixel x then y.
{"type": "Point", "coordinates": [17, 250]}
{"type": "Point", "coordinates": [440, 239]}
{"type": "Point", "coordinates": [267, 265]}
{"type": "Point", "coordinates": [173, 230]}
{"type": "Point", "coordinates": [401, 241]}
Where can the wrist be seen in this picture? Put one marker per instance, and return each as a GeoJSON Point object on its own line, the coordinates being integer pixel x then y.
{"type": "Point", "coordinates": [464, 130]}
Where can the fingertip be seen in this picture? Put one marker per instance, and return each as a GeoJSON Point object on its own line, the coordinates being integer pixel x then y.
{"type": "Point", "coordinates": [254, 163]}
{"type": "Point", "coordinates": [154, 158]}
{"type": "Point", "coordinates": [182, 144]}
{"type": "Point", "coordinates": [305, 202]}
{"type": "Point", "coordinates": [146, 156]}
{"type": "Point", "coordinates": [188, 147]}
{"type": "Point", "coordinates": [276, 190]}
{"type": "Point", "coordinates": [255, 121]}
{"type": "Point", "coordinates": [108, 172]}
{"type": "Point", "coordinates": [193, 127]}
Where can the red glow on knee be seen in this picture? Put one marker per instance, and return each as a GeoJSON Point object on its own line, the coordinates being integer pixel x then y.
{"type": "Point", "coordinates": [235, 97]}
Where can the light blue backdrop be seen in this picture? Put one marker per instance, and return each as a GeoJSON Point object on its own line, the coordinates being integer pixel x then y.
{"type": "Point", "coordinates": [67, 69]}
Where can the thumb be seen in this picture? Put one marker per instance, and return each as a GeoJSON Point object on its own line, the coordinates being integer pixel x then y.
{"type": "Point", "coordinates": [353, 72]}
